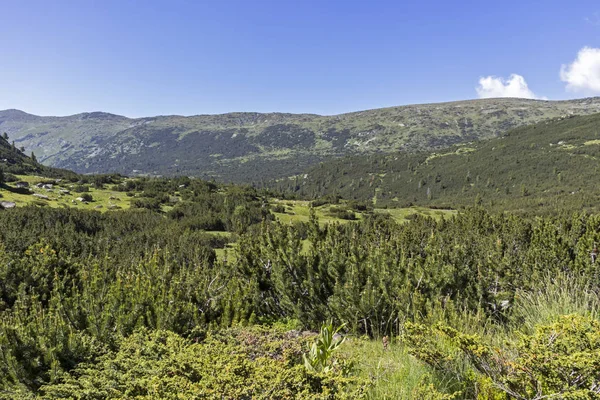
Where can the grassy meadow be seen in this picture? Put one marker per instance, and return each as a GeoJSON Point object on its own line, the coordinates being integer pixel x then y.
{"type": "Point", "coordinates": [299, 211]}
{"type": "Point", "coordinates": [102, 199]}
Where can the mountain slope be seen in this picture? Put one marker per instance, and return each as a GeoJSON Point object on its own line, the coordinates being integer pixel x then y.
{"type": "Point", "coordinates": [552, 165]}
{"type": "Point", "coordinates": [253, 146]}
{"type": "Point", "coordinates": [12, 160]}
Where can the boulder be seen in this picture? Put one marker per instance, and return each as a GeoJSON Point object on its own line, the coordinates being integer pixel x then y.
{"type": "Point", "coordinates": [7, 204]}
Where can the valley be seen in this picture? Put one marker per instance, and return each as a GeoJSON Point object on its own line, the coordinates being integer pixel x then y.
{"type": "Point", "coordinates": [414, 256]}
{"type": "Point", "coordinates": [288, 200]}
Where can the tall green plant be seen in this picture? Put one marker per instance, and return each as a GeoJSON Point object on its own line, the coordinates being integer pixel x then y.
{"type": "Point", "coordinates": [319, 357]}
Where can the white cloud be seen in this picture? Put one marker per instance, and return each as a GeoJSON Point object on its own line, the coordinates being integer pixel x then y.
{"type": "Point", "coordinates": [583, 74]}
{"type": "Point", "coordinates": [514, 86]}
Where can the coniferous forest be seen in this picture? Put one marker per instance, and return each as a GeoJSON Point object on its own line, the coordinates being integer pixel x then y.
{"type": "Point", "coordinates": [214, 297]}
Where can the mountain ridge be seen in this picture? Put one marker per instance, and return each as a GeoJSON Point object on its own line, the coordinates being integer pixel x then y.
{"type": "Point", "coordinates": [450, 102]}
{"type": "Point", "coordinates": [544, 168]}
{"type": "Point", "coordinates": [250, 146]}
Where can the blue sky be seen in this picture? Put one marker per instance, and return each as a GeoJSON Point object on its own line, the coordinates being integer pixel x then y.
{"type": "Point", "coordinates": [140, 58]}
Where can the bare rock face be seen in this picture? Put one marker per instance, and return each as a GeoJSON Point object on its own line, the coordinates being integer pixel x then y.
{"type": "Point", "coordinates": [41, 196]}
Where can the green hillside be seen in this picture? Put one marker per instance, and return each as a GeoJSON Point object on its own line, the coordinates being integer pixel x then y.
{"type": "Point", "coordinates": [14, 161]}
{"type": "Point", "coordinates": [547, 166]}
{"type": "Point", "coordinates": [253, 146]}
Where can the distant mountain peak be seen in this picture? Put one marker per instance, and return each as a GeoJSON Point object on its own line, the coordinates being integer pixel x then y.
{"type": "Point", "coordinates": [99, 115]}
{"type": "Point", "coordinates": [13, 112]}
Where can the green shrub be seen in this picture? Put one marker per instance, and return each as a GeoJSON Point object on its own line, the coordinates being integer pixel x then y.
{"type": "Point", "coordinates": [360, 205]}
{"type": "Point", "coordinates": [87, 197]}
{"type": "Point", "coordinates": [237, 364]}
{"type": "Point", "coordinates": [327, 199]}
{"type": "Point", "coordinates": [81, 189]}
{"type": "Point", "coordinates": [558, 360]}
{"type": "Point", "coordinates": [278, 208]}
{"type": "Point", "coordinates": [342, 213]}
{"type": "Point", "coordinates": [10, 178]}
{"type": "Point", "coordinates": [147, 203]}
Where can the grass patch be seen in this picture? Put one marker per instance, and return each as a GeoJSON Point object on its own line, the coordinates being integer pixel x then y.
{"type": "Point", "coordinates": [461, 150]}
{"type": "Point", "coordinates": [394, 373]}
{"type": "Point", "coordinates": [228, 253]}
{"type": "Point", "coordinates": [299, 211]}
{"type": "Point", "coordinates": [103, 199]}
{"type": "Point", "coordinates": [405, 214]}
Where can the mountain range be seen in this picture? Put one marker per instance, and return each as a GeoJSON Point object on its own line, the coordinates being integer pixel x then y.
{"type": "Point", "coordinates": [548, 167]}
{"type": "Point", "coordinates": [253, 146]}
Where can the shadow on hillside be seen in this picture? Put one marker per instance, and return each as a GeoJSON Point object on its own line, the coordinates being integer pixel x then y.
{"type": "Point", "coordinates": [14, 189]}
